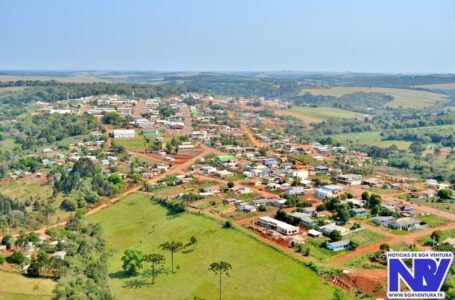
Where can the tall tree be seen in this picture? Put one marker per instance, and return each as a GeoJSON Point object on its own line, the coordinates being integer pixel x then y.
{"type": "Point", "coordinates": [132, 261]}
{"type": "Point", "coordinates": [172, 247]}
{"type": "Point", "coordinates": [220, 268]}
{"type": "Point", "coordinates": [154, 259]}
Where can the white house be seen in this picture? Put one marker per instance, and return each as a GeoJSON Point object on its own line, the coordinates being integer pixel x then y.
{"type": "Point", "coordinates": [281, 227]}
{"type": "Point", "coordinates": [123, 133]}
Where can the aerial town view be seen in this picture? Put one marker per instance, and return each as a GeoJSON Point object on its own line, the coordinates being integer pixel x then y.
{"type": "Point", "coordinates": [197, 150]}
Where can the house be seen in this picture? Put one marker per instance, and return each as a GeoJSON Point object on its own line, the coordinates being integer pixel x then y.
{"type": "Point", "coordinates": [406, 223]}
{"type": "Point", "coordinates": [349, 179]}
{"type": "Point", "coordinates": [358, 212]}
{"type": "Point", "coordinates": [281, 227]}
{"type": "Point", "coordinates": [423, 194]}
{"type": "Point", "coordinates": [321, 170]}
{"type": "Point", "coordinates": [295, 190]}
{"type": "Point", "coordinates": [123, 133]}
{"type": "Point", "coordinates": [326, 191]}
{"type": "Point", "coordinates": [185, 147]}
{"type": "Point", "coordinates": [210, 191]}
{"type": "Point", "coordinates": [327, 229]}
{"type": "Point", "coordinates": [435, 185]}
{"type": "Point", "coordinates": [242, 190]}
{"type": "Point", "coordinates": [314, 233]}
{"type": "Point", "coordinates": [59, 255]}
{"type": "Point", "coordinates": [224, 173]}
{"type": "Point", "coordinates": [245, 207]}
{"type": "Point", "coordinates": [305, 219]}
{"type": "Point", "coordinates": [339, 246]}
{"type": "Point", "coordinates": [372, 182]}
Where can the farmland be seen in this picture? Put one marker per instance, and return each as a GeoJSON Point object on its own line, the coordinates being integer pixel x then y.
{"type": "Point", "coordinates": [136, 222]}
{"type": "Point", "coordinates": [368, 138]}
{"type": "Point", "coordinates": [318, 114]}
{"type": "Point", "coordinates": [14, 286]}
{"type": "Point", "coordinates": [401, 97]}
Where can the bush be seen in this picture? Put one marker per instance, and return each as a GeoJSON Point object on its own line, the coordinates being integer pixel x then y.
{"type": "Point", "coordinates": [17, 258]}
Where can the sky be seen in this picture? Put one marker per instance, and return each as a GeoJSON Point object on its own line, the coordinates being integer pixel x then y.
{"type": "Point", "coordinates": [391, 36]}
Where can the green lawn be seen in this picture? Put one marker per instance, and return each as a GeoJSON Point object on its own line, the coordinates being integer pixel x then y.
{"type": "Point", "coordinates": [401, 97]}
{"type": "Point", "coordinates": [365, 237]}
{"type": "Point", "coordinates": [324, 113]}
{"type": "Point", "coordinates": [433, 220]}
{"type": "Point", "coordinates": [259, 272]}
{"type": "Point", "coordinates": [370, 138]}
{"type": "Point", "coordinates": [14, 286]}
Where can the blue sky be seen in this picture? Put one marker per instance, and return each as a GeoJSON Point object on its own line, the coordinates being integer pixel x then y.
{"type": "Point", "coordinates": [229, 35]}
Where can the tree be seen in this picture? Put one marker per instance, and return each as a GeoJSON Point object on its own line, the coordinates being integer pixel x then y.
{"type": "Point", "coordinates": [384, 247]}
{"type": "Point", "coordinates": [365, 196]}
{"type": "Point", "coordinates": [154, 259]}
{"type": "Point", "coordinates": [354, 244]}
{"type": "Point", "coordinates": [172, 247]}
{"type": "Point", "coordinates": [17, 258]}
{"type": "Point", "coordinates": [375, 210]}
{"type": "Point", "coordinates": [335, 236]}
{"type": "Point", "coordinates": [445, 194]}
{"type": "Point", "coordinates": [132, 261]}
{"type": "Point", "coordinates": [338, 295]}
{"type": "Point", "coordinates": [220, 268]}
{"type": "Point", "coordinates": [230, 184]}
{"type": "Point", "coordinates": [436, 236]}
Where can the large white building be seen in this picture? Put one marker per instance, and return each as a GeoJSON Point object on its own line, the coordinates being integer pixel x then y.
{"type": "Point", "coordinates": [281, 227]}
{"type": "Point", "coordinates": [123, 133]}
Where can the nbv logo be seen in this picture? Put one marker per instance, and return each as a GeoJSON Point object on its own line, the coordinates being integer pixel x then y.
{"type": "Point", "coordinates": [424, 278]}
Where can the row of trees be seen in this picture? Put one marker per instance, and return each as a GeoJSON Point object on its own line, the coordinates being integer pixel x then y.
{"type": "Point", "coordinates": [133, 260]}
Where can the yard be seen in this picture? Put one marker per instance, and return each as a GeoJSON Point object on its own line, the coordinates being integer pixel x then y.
{"type": "Point", "coordinates": [365, 237]}
{"type": "Point", "coordinates": [433, 220]}
{"type": "Point", "coordinates": [30, 288]}
{"type": "Point", "coordinates": [136, 222]}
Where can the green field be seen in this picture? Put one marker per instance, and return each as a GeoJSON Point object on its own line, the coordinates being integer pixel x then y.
{"type": "Point", "coordinates": [259, 272]}
{"type": "Point", "coordinates": [137, 143]}
{"type": "Point", "coordinates": [401, 97]}
{"type": "Point", "coordinates": [324, 113]}
{"type": "Point", "coordinates": [365, 237]}
{"type": "Point", "coordinates": [14, 286]}
{"type": "Point", "coordinates": [433, 220]}
{"type": "Point", "coordinates": [370, 138]}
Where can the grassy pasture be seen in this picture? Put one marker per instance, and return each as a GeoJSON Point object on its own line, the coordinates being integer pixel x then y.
{"type": "Point", "coordinates": [14, 286]}
{"type": "Point", "coordinates": [402, 97]}
{"type": "Point", "coordinates": [259, 272]}
{"type": "Point", "coordinates": [324, 113]}
{"type": "Point", "coordinates": [371, 138]}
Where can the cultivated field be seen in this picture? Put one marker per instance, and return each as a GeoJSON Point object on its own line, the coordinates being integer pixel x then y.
{"type": "Point", "coordinates": [259, 272]}
{"type": "Point", "coordinates": [438, 86]}
{"type": "Point", "coordinates": [371, 138]}
{"type": "Point", "coordinates": [318, 114]}
{"type": "Point", "coordinates": [401, 97]}
{"type": "Point", "coordinates": [74, 78]}
{"type": "Point", "coordinates": [30, 288]}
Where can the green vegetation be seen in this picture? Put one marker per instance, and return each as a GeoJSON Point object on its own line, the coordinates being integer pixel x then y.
{"type": "Point", "coordinates": [14, 286]}
{"type": "Point", "coordinates": [324, 113]}
{"type": "Point", "coordinates": [365, 237]}
{"type": "Point", "coordinates": [369, 138]}
{"type": "Point", "coordinates": [433, 220]}
{"type": "Point", "coordinates": [136, 222]}
{"type": "Point", "coordinates": [401, 97]}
